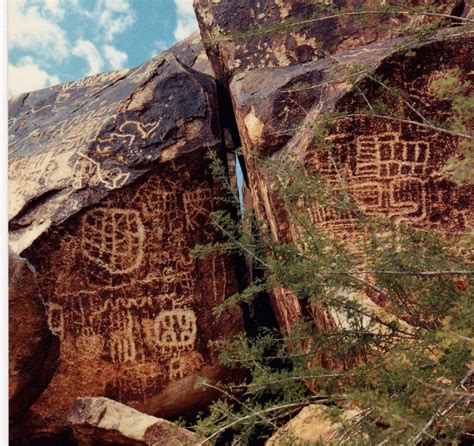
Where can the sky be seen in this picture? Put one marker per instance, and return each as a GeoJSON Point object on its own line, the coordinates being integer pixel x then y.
{"type": "Point", "coordinates": [56, 41]}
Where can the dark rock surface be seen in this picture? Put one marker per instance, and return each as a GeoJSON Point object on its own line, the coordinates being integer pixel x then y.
{"type": "Point", "coordinates": [243, 35]}
{"type": "Point", "coordinates": [71, 144]}
{"type": "Point", "coordinates": [33, 349]}
{"type": "Point", "coordinates": [391, 168]}
{"type": "Point", "coordinates": [110, 192]}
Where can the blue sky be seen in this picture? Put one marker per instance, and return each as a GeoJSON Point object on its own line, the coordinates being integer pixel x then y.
{"type": "Point", "coordinates": [56, 41]}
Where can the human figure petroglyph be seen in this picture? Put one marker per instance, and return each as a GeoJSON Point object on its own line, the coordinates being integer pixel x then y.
{"type": "Point", "coordinates": [176, 330]}
{"type": "Point", "coordinates": [113, 239]}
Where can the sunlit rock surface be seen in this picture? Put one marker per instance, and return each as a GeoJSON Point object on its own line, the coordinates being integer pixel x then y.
{"type": "Point", "coordinates": [101, 422]}
{"type": "Point", "coordinates": [280, 87]}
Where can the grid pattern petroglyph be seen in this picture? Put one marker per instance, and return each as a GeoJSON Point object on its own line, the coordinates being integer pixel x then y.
{"type": "Point", "coordinates": [113, 238]}
{"type": "Point", "coordinates": [391, 170]}
{"type": "Point", "coordinates": [176, 329]}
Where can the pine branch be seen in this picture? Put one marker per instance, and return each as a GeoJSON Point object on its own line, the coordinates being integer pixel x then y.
{"type": "Point", "coordinates": [247, 417]}
{"type": "Point", "coordinates": [440, 413]}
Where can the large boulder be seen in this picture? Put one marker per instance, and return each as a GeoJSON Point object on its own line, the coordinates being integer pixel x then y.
{"type": "Point", "coordinates": [280, 87]}
{"type": "Point", "coordinates": [243, 35]}
{"type": "Point", "coordinates": [391, 167]}
{"type": "Point", "coordinates": [110, 191]}
{"type": "Point", "coordinates": [33, 349]}
{"type": "Point", "coordinates": [101, 422]}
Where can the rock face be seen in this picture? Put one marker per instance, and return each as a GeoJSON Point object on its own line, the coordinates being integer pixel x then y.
{"type": "Point", "coordinates": [33, 349]}
{"type": "Point", "coordinates": [110, 192]}
{"type": "Point", "coordinates": [280, 86]}
{"type": "Point", "coordinates": [244, 35]}
{"type": "Point", "coordinates": [391, 168]}
{"type": "Point", "coordinates": [101, 421]}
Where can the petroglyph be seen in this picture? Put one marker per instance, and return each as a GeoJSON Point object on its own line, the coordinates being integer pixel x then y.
{"type": "Point", "coordinates": [55, 318]}
{"type": "Point", "coordinates": [113, 238]}
{"type": "Point", "coordinates": [123, 289]}
{"type": "Point", "coordinates": [196, 205]}
{"type": "Point", "coordinates": [177, 369]}
{"type": "Point", "coordinates": [122, 347]}
{"type": "Point", "coordinates": [181, 366]}
{"type": "Point", "coordinates": [393, 171]}
{"type": "Point", "coordinates": [176, 330]}
{"type": "Point", "coordinates": [110, 178]}
{"type": "Point", "coordinates": [113, 163]}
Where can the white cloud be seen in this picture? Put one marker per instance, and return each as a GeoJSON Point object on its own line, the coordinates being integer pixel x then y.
{"type": "Point", "coordinates": [115, 57]}
{"type": "Point", "coordinates": [114, 17]}
{"type": "Point", "coordinates": [55, 7]}
{"type": "Point", "coordinates": [87, 50]}
{"type": "Point", "coordinates": [186, 23]}
{"type": "Point", "coordinates": [29, 28]}
{"type": "Point", "coordinates": [117, 5]}
{"type": "Point", "coordinates": [28, 76]}
{"type": "Point", "coordinates": [38, 40]}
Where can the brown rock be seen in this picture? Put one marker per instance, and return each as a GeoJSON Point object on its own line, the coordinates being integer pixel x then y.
{"type": "Point", "coordinates": [311, 425]}
{"type": "Point", "coordinates": [110, 191]}
{"type": "Point", "coordinates": [391, 168]}
{"type": "Point", "coordinates": [33, 349]}
{"type": "Point", "coordinates": [101, 421]}
{"type": "Point", "coordinates": [242, 35]}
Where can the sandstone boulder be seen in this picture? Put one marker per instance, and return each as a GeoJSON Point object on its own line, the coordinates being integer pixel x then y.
{"type": "Point", "coordinates": [314, 424]}
{"type": "Point", "coordinates": [244, 35]}
{"type": "Point", "coordinates": [110, 191]}
{"type": "Point", "coordinates": [101, 421]}
{"type": "Point", "coordinates": [33, 349]}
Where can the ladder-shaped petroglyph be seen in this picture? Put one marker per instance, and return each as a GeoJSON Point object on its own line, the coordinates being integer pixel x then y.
{"type": "Point", "coordinates": [175, 330]}
{"type": "Point", "coordinates": [388, 155]}
{"type": "Point", "coordinates": [122, 340]}
{"type": "Point", "coordinates": [113, 239]}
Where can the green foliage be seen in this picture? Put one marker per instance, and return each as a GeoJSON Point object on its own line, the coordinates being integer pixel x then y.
{"type": "Point", "coordinates": [400, 366]}
{"type": "Point", "coordinates": [460, 94]}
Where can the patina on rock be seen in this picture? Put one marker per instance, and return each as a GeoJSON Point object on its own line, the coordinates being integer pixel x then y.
{"type": "Point", "coordinates": [241, 35]}
{"type": "Point", "coordinates": [110, 191]}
